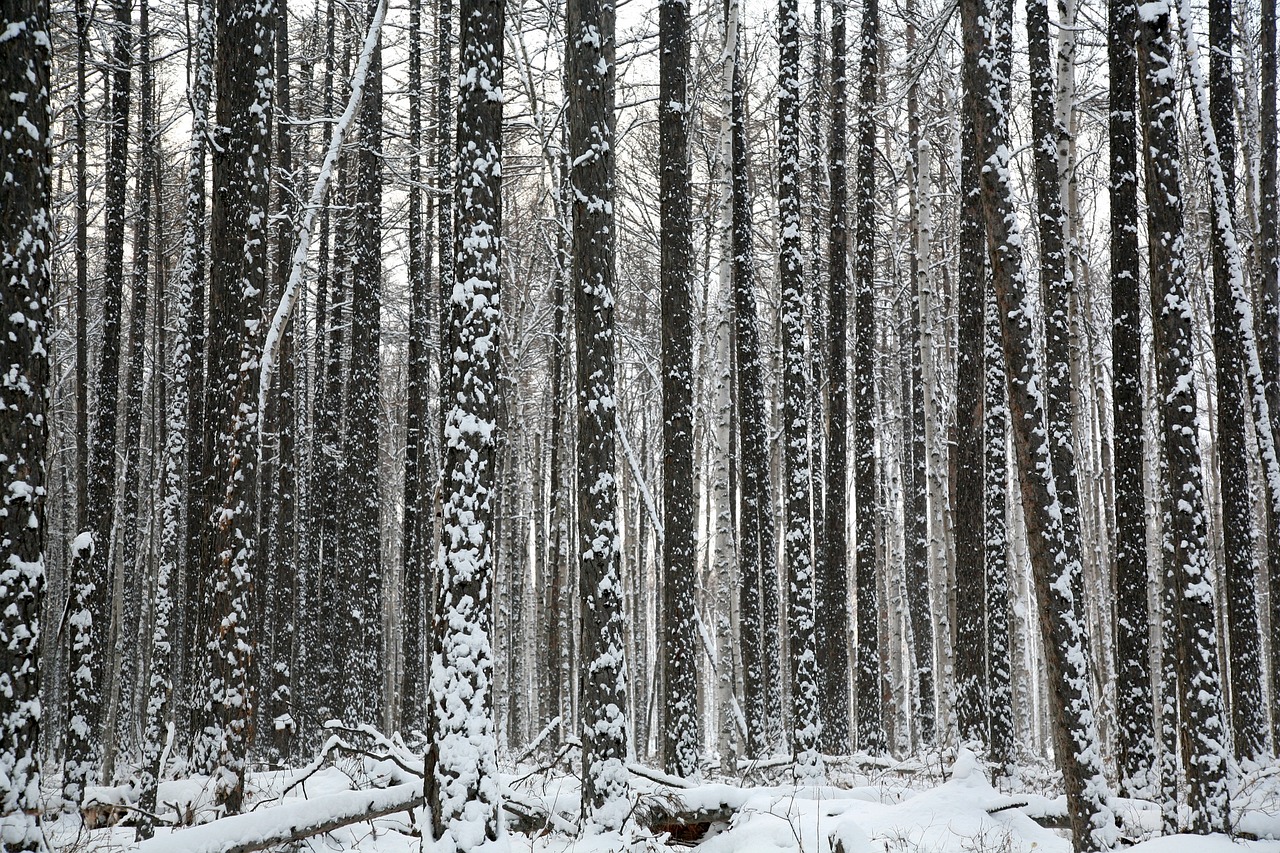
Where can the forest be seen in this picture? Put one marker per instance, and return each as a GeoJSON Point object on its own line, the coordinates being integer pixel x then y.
{"type": "Point", "coordinates": [633, 425]}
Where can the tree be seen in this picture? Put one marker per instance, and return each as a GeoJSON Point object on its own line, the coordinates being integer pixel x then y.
{"type": "Point", "coordinates": [758, 597]}
{"type": "Point", "coordinates": [1075, 736]}
{"type": "Point", "coordinates": [1240, 566]}
{"type": "Point", "coordinates": [805, 714]}
{"type": "Point", "coordinates": [1268, 244]}
{"type": "Point", "coordinates": [238, 280]}
{"type": "Point", "coordinates": [26, 240]}
{"type": "Point", "coordinates": [1203, 729]}
{"type": "Point", "coordinates": [88, 612]}
{"type": "Point", "coordinates": [999, 732]}
{"type": "Point", "coordinates": [1135, 739]}
{"type": "Point", "coordinates": [461, 761]}
{"type": "Point", "coordinates": [866, 493]}
{"type": "Point", "coordinates": [832, 621]}
{"type": "Point", "coordinates": [360, 554]}
{"type": "Point", "coordinates": [681, 738]}
{"type": "Point", "coordinates": [589, 84]}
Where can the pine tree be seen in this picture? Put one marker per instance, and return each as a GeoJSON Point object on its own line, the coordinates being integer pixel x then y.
{"type": "Point", "coordinates": [1268, 244]}
{"type": "Point", "coordinates": [867, 500]}
{"type": "Point", "coordinates": [999, 733]}
{"type": "Point", "coordinates": [832, 621]}
{"type": "Point", "coordinates": [238, 280]}
{"type": "Point", "coordinates": [681, 738]}
{"type": "Point", "coordinates": [805, 719]}
{"type": "Point", "coordinates": [26, 240]}
{"type": "Point", "coordinates": [1136, 742]}
{"type": "Point", "coordinates": [1202, 729]}
{"type": "Point", "coordinates": [589, 84]}
{"type": "Point", "coordinates": [461, 761]}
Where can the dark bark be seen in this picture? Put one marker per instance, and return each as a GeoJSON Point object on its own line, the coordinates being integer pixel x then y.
{"type": "Point", "coordinates": [867, 499]}
{"type": "Point", "coordinates": [999, 732]}
{"type": "Point", "coordinates": [1269, 316]}
{"type": "Point", "coordinates": [26, 240]}
{"type": "Point", "coordinates": [590, 87]}
{"type": "Point", "coordinates": [1202, 730]}
{"type": "Point", "coordinates": [681, 736]}
{"type": "Point", "coordinates": [832, 620]}
{"type": "Point", "coordinates": [1135, 740]}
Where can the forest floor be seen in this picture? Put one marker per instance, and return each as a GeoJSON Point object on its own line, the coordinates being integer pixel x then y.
{"type": "Point", "coordinates": [862, 805]}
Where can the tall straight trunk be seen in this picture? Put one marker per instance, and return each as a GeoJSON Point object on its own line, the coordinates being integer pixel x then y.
{"type": "Point", "coordinates": [1268, 244]}
{"type": "Point", "coordinates": [127, 612]}
{"type": "Point", "coordinates": [832, 622]}
{"type": "Point", "coordinates": [590, 88]}
{"type": "Point", "coordinates": [559, 598]}
{"type": "Point", "coordinates": [417, 431]}
{"type": "Point", "coordinates": [238, 279]}
{"type": "Point", "coordinates": [971, 706]}
{"type": "Point", "coordinates": [1240, 568]}
{"type": "Point", "coordinates": [1203, 728]}
{"type": "Point", "coordinates": [805, 721]}
{"type": "Point", "coordinates": [1075, 736]}
{"type": "Point", "coordinates": [89, 607]}
{"type": "Point", "coordinates": [285, 578]}
{"type": "Point", "coordinates": [84, 20]}
{"type": "Point", "coordinates": [1000, 734]}
{"type": "Point", "coordinates": [360, 554]}
{"type": "Point", "coordinates": [446, 88]}
{"type": "Point", "coordinates": [916, 527]}
{"type": "Point", "coordinates": [157, 720]}
{"type": "Point", "coordinates": [26, 240]}
{"type": "Point", "coordinates": [867, 500]}
{"type": "Point", "coordinates": [1135, 736]}
{"type": "Point", "coordinates": [461, 761]}
{"type": "Point", "coordinates": [681, 737]}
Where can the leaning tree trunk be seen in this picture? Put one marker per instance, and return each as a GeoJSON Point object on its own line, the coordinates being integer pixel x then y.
{"type": "Point", "coordinates": [1203, 729]}
{"type": "Point", "coordinates": [26, 239]}
{"type": "Point", "coordinates": [1071, 707]}
{"type": "Point", "coordinates": [679, 637]}
{"type": "Point", "coordinates": [461, 760]}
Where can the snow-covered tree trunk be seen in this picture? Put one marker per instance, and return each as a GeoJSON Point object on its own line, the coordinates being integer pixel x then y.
{"type": "Point", "coordinates": [795, 427]}
{"type": "Point", "coordinates": [758, 634]}
{"type": "Point", "coordinates": [26, 241]}
{"type": "Point", "coordinates": [157, 723]}
{"type": "Point", "coordinates": [88, 612]}
{"type": "Point", "coordinates": [1000, 735]}
{"type": "Point", "coordinates": [461, 760]}
{"type": "Point", "coordinates": [1268, 244]}
{"type": "Point", "coordinates": [1135, 733]}
{"type": "Point", "coordinates": [833, 633]}
{"type": "Point", "coordinates": [867, 501]}
{"type": "Point", "coordinates": [590, 87]}
{"type": "Point", "coordinates": [1074, 729]}
{"type": "Point", "coordinates": [1202, 728]}
{"type": "Point", "coordinates": [360, 583]}
{"type": "Point", "coordinates": [681, 738]}
{"type": "Point", "coordinates": [238, 280]}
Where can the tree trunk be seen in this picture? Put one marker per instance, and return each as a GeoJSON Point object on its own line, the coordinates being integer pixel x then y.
{"type": "Point", "coordinates": [26, 239]}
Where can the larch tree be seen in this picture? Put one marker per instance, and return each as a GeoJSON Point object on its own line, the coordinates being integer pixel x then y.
{"type": "Point", "coordinates": [589, 84]}
{"type": "Point", "coordinates": [758, 634]}
{"type": "Point", "coordinates": [1072, 721]}
{"type": "Point", "coordinates": [805, 713]}
{"type": "Point", "coordinates": [679, 638]}
{"type": "Point", "coordinates": [832, 621]}
{"type": "Point", "coordinates": [238, 279]}
{"type": "Point", "coordinates": [1135, 718]}
{"type": "Point", "coordinates": [89, 615]}
{"type": "Point", "coordinates": [461, 762]}
{"type": "Point", "coordinates": [26, 240]}
{"type": "Point", "coordinates": [360, 554]}
{"type": "Point", "coordinates": [1203, 732]}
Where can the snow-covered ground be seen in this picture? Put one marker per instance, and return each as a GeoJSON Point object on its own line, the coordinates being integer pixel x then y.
{"type": "Point", "coordinates": [865, 807]}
